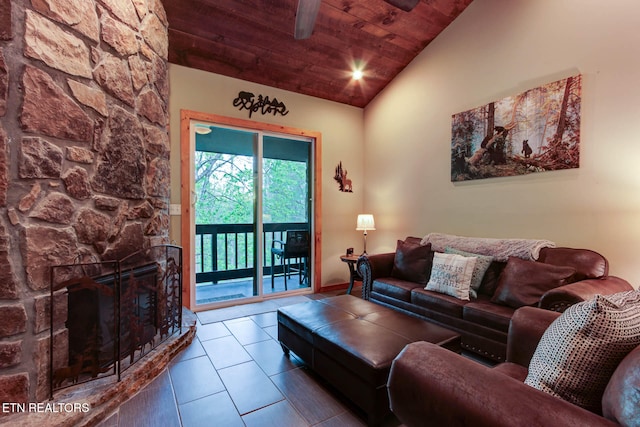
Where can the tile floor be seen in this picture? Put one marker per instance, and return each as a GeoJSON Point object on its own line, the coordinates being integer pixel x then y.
{"type": "Point", "coordinates": [235, 374]}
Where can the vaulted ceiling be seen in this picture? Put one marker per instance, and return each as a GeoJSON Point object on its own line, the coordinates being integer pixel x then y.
{"type": "Point", "coordinates": [253, 40]}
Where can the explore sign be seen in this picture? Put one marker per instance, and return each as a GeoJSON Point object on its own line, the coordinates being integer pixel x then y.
{"type": "Point", "coordinates": [264, 105]}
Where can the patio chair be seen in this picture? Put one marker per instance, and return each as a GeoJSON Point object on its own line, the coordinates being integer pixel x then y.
{"type": "Point", "coordinates": [296, 247]}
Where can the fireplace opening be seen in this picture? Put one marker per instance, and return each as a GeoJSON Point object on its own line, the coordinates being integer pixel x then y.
{"type": "Point", "coordinates": [105, 316]}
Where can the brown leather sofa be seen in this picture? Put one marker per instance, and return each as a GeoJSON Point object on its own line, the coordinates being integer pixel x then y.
{"type": "Point", "coordinates": [483, 323]}
{"type": "Point", "coordinates": [429, 386]}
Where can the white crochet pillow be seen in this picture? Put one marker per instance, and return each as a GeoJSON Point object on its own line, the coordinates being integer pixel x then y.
{"type": "Point", "coordinates": [581, 349]}
{"type": "Point", "coordinates": [451, 274]}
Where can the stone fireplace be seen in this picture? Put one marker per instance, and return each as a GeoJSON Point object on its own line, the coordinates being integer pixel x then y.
{"type": "Point", "coordinates": [108, 315]}
{"type": "Point", "coordinates": [84, 157]}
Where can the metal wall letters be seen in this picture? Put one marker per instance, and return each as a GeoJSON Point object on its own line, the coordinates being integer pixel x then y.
{"type": "Point", "coordinates": [264, 105]}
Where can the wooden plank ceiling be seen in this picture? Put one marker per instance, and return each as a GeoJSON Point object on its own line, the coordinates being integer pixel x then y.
{"type": "Point", "coordinates": [253, 40]}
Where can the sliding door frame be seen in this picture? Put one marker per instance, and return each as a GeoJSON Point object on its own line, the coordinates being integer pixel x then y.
{"type": "Point", "coordinates": [187, 149]}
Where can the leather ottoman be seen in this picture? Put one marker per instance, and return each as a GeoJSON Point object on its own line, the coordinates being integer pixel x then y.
{"type": "Point", "coordinates": [351, 343]}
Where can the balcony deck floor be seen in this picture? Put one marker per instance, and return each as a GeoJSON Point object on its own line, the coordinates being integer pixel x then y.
{"type": "Point", "coordinates": [236, 289]}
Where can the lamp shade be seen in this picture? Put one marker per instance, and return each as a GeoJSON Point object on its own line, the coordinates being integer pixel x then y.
{"type": "Point", "coordinates": [365, 222]}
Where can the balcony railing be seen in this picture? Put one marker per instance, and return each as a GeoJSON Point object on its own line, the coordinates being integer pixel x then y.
{"type": "Point", "coordinates": [225, 251]}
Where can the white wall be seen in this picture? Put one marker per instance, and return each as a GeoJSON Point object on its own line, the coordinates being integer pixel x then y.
{"type": "Point", "coordinates": [494, 49]}
{"type": "Point", "coordinates": [342, 140]}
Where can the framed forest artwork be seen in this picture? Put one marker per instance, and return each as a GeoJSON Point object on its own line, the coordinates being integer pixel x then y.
{"type": "Point", "coordinates": [534, 131]}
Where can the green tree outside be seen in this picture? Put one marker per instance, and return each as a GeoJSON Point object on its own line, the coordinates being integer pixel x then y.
{"type": "Point", "coordinates": [224, 185]}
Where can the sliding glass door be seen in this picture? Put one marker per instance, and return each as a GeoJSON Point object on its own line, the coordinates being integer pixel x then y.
{"type": "Point", "coordinates": [252, 212]}
{"type": "Point", "coordinates": [286, 212]}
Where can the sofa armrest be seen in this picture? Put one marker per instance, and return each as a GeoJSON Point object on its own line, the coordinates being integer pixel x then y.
{"type": "Point", "coordinates": [525, 330]}
{"type": "Point", "coordinates": [372, 267]}
{"type": "Point", "coordinates": [562, 297]}
{"type": "Point", "coordinates": [430, 384]}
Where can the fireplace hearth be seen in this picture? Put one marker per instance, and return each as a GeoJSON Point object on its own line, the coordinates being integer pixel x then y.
{"type": "Point", "coordinates": [106, 316]}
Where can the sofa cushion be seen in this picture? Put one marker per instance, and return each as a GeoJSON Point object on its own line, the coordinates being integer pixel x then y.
{"type": "Point", "coordinates": [395, 288]}
{"type": "Point", "coordinates": [435, 301]}
{"type": "Point", "coordinates": [483, 312]}
{"type": "Point", "coordinates": [451, 275]}
{"type": "Point", "coordinates": [621, 400]}
{"type": "Point", "coordinates": [580, 350]}
{"type": "Point", "coordinates": [588, 264]}
{"type": "Point", "coordinates": [524, 282]}
{"type": "Point", "coordinates": [482, 264]}
{"type": "Point", "coordinates": [412, 262]}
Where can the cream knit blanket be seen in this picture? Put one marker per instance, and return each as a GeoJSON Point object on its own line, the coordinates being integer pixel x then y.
{"type": "Point", "coordinates": [499, 249]}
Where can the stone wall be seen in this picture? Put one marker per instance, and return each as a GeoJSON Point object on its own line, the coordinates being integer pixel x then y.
{"type": "Point", "coordinates": [84, 158]}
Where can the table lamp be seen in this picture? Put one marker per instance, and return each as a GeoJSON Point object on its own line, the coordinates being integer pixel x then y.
{"type": "Point", "coordinates": [365, 222]}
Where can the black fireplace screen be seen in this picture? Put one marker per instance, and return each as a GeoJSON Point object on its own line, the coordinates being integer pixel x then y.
{"type": "Point", "coordinates": [106, 316]}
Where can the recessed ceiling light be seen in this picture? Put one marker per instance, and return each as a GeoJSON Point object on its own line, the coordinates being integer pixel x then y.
{"type": "Point", "coordinates": [203, 130]}
{"type": "Point", "coordinates": [357, 74]}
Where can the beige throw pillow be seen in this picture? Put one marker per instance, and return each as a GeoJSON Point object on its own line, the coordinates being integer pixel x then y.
{"type": "Point", "coordinates": [482, 264]}
{"type": "Point", "coordinates": [451, 274]}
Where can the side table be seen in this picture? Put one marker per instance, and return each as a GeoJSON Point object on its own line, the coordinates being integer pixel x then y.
{"type": "Point", "coordinates": [351, 261]}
